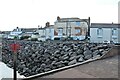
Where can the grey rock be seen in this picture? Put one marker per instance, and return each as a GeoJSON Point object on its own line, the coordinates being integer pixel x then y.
{"type": "Point", "coordinates": [105, 46]}
{"type": "Point", "coordinates": [23, 71]}
{"type": "Point", "coordinates": [97, 56]}
{"type": "Point", "coordinates": [107, 49]}
{"type": "Point", "coordinates": [61, 45]}
{"type": "Point", "coordinates": [100, 47]}
{"type": "Point", "coordinates": [67, 49]}
{"type": "Point", "coordinates": [34, 68]}
{"type": "Point", "coordinates": [57, 52]}
{"type": "Point", "coordinates": [93, 49]}
{"type": "Point", "coordinates": [58, 63]}
{"type": "Point", "coordinates": [74, 54]}
{"type": "Point", "coordinates": [62, 52]}
{"type": "Point", "coordinates": [47, 69]}
{"type": "Point", "coordinates": [53, 62]}
{"type": "Point", "coordinates": [26, 74]}
{"type": "Point", "coordinates": [64, 47]}
{"type": "Point", "coordinates": [72, 58]}
{"type": "Point", "coordinates": [79, 56]}
{"type": "Point", "coordinates": [88, 56]}
{"type": "Point", "coordinates": [57, 55]}
{"type": "Point", "coordinates": [87, 52]}
{"type": "Point", "coordinates": [101, 50]}
{"type": "Point", "coordinates": [95, 53]}
{"type": "Point", "coordinates": [80, 59]}
{"type": "Point", "coordinates": [61, 65]}
{"type": "Point", "coordinates": [43, 65]}
{"type": "Point", "coordinates": [66, 58]}
{"type": "Point", "coordinates": [9, 65]}
{"type": "Point", "coordinates": [86, 48]}
{"type": "Point", "coordinates": [33, 55]}
{"type": "Point", "coordinates": [70, 53]}
{"type": "Point", "coordinates": [72, 62]}
{"type": "Point", "coordinates": [79, 51]}
{"type": "Point", "coordinates": [56, 59]}
{"type": "Point", "coordinates": [65, 62]}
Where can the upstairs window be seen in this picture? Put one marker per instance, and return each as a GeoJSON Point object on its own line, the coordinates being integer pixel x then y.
{"type": "Point", "coordinates": [49, 30]}
{"type": "Point", "coordinates": [78, 23]}
{"type": "Point", "coordinates": [77, 31]}
{"type": "Point", "coordinates": [100, 32]}
{"type": "Point", "coordinates": [114, 33]}
{"type": "Point", "coordinates": [60, 31]}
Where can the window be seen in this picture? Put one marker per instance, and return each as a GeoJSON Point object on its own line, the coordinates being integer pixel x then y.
{"type": "Point", "coordinates": [77, 31]}
{"type": "Point", "coordinates": [60, 31]}
{"type": "Point", "coordinates": [36, 33]}
{"type": "Point", "coordinates": [43, 31]}
{"type": "Point", "coordinates": [114, 33]}
{"type": "Point", "coordinates": [78, 23]}
{"type": "Point", "coordinates": [69, 31]}
{"type": "Point", "coordinates": [100, 32]}
{"type": "Point", "coordinates": [49, 30]}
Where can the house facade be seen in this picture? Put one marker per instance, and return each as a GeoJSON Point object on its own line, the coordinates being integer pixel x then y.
{"type": "Point", "coordinates": [5, 34]}
{"type": "Point", "coordinates": [49, 31]}
{"type": "Point", "coordinates": [104, 32]}
{"type": "Point", "coordinates": [19, 32]}
{"type": "Point", "coordinates": [15, 33]}
{"type": "Point", "coordinates": [41, 32]}
{"type": "Point", "coordinates": [28, 31]}
{"type": "Point", "coordinates": [71, 27]}
{"type": "Point", "coordinates": [46, 33]}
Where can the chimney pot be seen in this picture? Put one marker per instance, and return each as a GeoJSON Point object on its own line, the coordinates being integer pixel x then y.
{"type": "Point", "coordinates": [58, 18]}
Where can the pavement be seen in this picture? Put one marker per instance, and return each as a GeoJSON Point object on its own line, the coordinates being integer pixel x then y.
{"type": "Point", "coordinates": [6, 72]}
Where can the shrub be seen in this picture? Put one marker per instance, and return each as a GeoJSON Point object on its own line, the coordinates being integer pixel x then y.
{"type": "Point", "coordinates": [34, 39]}
{"type": "Point", "coordinates": [24, 37]}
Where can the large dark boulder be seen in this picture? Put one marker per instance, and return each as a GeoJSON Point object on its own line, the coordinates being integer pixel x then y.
{"type": "Point", "coordinates": [81, 59]}
{"type": "Point", "coordinates": [72, 62]}
{"type": "Point", "coordinates": [87, 54]}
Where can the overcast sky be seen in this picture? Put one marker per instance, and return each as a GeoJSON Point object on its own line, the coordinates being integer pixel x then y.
{"type": "Point", "coordinates": [31, 13]}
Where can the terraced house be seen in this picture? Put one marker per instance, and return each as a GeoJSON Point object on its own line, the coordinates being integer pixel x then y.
{"type": "Point", "coordinates": [71, 27]}
{"type": "Point", "coordinates": [46, 33]}
{"type": "Point", "coordinates": [19, 32]}
{"type": "Point", "coordinates": [75, 28]}
{"type": "Point", "coordinates": [104, 32]}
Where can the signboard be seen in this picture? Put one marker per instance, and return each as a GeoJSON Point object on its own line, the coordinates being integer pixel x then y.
{"type": "Point", "coordinates": [15, 47]}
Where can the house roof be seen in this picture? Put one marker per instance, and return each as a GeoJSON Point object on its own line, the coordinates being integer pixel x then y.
{"type": "Point", "coordinates": [6, 32]}
{"type": "Point", "coordinates": [50, 26]}
{"type": "Point", "coordinates": [29, 29]}
{"type": "Point", "coordinates": [104, 25]}
{"type": "Point", "coordinates": [73, 19]}
{"type": "Point", "coordinates": [41, 28]}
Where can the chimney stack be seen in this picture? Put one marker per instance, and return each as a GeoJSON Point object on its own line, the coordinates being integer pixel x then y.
{"type": "Point", "coordinates": [58, 18]}
{"type": "Point", "coordinates": [47, 24]}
